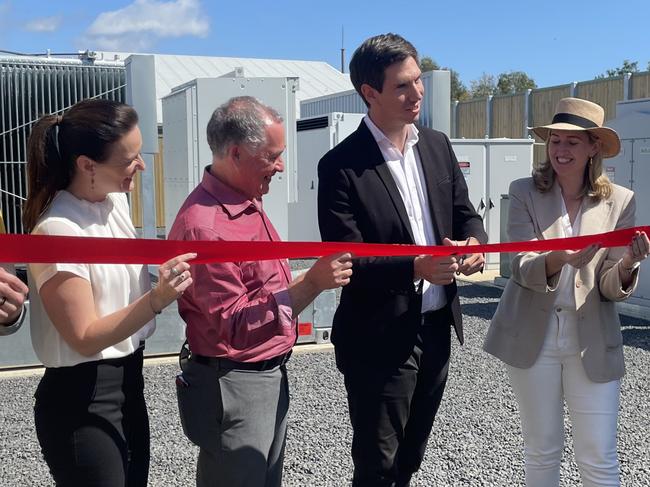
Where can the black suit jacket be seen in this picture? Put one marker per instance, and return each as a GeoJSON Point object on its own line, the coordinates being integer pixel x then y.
{"type": "Point", "coordinates": [358, 201]}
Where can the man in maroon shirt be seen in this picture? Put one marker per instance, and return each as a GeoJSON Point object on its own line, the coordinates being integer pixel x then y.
{"type": "Point", "coordinates": [241, 316]}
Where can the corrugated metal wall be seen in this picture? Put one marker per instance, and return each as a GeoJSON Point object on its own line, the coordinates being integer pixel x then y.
{"type": "Point", "coordinates": [345, 102]}
{"type": "Point", "coordinates": [30, 88]}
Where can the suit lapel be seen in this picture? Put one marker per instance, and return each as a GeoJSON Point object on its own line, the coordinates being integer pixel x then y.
{"type": "Point", "coordinates": [377, 161]}
{"type": "Point", "coordinates": [548, 213]}
{"type": "Point", "coordinates": [594, 215]}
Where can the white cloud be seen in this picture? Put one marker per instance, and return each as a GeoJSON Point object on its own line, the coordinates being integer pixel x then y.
{"type": "Point", "coordinates": [44, 24]}
{"type": "Point", "coordinates": [140, 24]}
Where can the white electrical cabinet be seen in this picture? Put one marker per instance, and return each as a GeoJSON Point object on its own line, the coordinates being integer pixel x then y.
{"type": "Point", "coordinates": [315, 137]}
{"type": "Point", "coordinates": [186, 112]}
{"type": "Point", "coordinates": [631, 169]}
{"type": "Point", "coordinates": [489, 166]}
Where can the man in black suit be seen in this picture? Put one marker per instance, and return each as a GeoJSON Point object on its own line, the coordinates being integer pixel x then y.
{"type": "Point", "coordinates": [393, 182]}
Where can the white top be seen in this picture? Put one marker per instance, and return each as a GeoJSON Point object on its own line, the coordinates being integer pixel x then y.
{"type": "Point", "coordinates": [114, 286]}
{"type": "Point", "coordinates": [406, 170]}
{"type": "Point", "coordinates": [566, 286]}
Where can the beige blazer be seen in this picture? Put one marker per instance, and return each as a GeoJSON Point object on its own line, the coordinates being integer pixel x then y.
{"type": "Point", "coordinates": [518, 328]}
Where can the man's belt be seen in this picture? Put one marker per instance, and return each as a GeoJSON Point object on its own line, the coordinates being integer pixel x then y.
{"type": "Point", "coordinates": [227, 364]}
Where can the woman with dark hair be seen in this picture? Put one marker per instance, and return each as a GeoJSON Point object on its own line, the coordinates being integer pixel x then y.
{"type": "Point", "coordinates": [89, 321]}
{"type": "Point", "coordinates": [556, 326]}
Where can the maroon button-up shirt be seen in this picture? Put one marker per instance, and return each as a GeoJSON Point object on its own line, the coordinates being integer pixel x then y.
{"type": "Point", "coordinates": [236, 310]}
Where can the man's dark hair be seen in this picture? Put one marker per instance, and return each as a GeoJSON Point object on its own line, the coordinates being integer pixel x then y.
{"type": "Point", "coordinates": [370, 60]}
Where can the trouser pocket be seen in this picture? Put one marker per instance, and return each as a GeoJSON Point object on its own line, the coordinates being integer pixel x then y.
{"type": "Point", "coordinates": [199, 405]}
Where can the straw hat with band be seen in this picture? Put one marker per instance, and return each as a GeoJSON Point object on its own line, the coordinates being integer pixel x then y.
{"type": "Point", "coordinates": [578, 114]}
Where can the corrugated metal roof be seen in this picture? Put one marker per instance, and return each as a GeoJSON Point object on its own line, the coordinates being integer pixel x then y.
{"type": "Point", "coordinates": [317, 78]}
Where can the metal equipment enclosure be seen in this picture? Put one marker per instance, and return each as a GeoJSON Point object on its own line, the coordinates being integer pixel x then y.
{"type": "Point", "coordinates": [631, 169]}
{"type": "Point", "coordinates": [435, 112]}
{"type": "Point", "coordinates": [186, 112]}
{"type": "Point", "coordinates": [34, 86]}
{"type": "Point", "coordinates": [315, 136]}
{"type": "Point", "coordinates": [489, 165]}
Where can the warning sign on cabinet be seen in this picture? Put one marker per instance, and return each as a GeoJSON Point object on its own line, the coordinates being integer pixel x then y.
{"type": "Point", "coordinates": [464, 167]}
{"type": "Point", "coordinates": [610, 172]}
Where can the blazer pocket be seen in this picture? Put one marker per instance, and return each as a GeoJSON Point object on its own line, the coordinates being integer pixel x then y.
{"type": "Point", "coordinates": [443, 180]}
{"type": "Point", "coordinates": [610, 326]}
{"type": "Point", "coordinates": [612, 334]}
{"type": "Point", "coordinates": [514, 309]}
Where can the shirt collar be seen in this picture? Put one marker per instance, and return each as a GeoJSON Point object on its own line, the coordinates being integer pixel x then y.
{"type": "Point", "coordinates": [234, 203]}
{"type": "Point", "coordinates": [383, 141]}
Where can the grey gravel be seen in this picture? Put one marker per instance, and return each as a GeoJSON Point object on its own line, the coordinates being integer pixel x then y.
{"type": "Point", "coordinates": [476, 439]}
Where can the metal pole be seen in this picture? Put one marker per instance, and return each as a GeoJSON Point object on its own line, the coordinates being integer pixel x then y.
{"type": "Point", "coordinates": [141, 94]}
{"type": "Point", "coordinates": [342, 52]}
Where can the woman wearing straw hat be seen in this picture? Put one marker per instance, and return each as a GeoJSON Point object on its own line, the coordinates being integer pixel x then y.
{"type": "Point", "coordinates": [556, 326]}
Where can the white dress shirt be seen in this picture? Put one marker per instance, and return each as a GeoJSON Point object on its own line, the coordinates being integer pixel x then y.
{"type": "Point", "coordinates": [565, 298]}
{"type": "Point", "coordinates": [406, 170]}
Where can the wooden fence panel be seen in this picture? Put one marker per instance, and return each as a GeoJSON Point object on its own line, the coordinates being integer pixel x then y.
{"type": "Point", "coordinates": [472, 118]}
{"type": "Point", "coordinates": [508, 116]}
{"type": "Point", "coordinates": [508, 111]}
{"type": "Point", "coordinates": [606, 92]}
{"type": "Point", "coordinates": [159, 185]}
{"type": "Point", "coordinates": [135, 198]}
{"type": "Point", "coordinates": [543, 102]}
{"type": "Point", "coordinates": [640, 85]}
{"type": "Point", "coordinates": [542, 108]}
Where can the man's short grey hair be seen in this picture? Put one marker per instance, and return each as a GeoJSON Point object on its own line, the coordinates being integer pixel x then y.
{"type": "Point", "coordinates": [240, 121]}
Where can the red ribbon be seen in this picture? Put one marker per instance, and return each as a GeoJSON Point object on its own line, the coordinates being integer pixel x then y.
{"type": "Point", "coordinates": [94, 250]}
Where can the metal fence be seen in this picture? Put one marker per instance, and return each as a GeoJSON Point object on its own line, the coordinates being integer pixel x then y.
{"type": "Point", "coordinates": [30, 88]}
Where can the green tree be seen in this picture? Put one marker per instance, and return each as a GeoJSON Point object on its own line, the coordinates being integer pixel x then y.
{"type": "Point", "coordinates": [428, 64]}
{"type": "Point", "coordinates": [627, 67]}
{"type": "Point", "coordinates": [484, 86]}
{"type": "Point", "coordinates": [458, 89]}
{"type": "Point", "coordinates": [514, 82]}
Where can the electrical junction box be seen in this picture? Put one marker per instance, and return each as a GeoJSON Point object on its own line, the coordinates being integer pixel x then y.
{"type": "Point", "coordinates": [489, 166]}
{"type": "Point", "coordinates": [186, 112]}
{"type": "Point", "coordinates": [315, 137]}
{"type": "Point", "coordinates": [631, 169]}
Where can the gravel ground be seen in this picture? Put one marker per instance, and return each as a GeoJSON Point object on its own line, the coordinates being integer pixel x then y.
{"type": "Point", "coordinates": [476, 439]}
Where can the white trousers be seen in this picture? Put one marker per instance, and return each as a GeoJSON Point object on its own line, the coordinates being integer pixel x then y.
{"type": "Point", "coordinates": [558, 376]}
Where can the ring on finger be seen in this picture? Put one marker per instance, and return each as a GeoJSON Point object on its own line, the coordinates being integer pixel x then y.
{"type": "Point", "coordinates": [174, 272]}
{"type": "Point", "coordinates": [3, 300]}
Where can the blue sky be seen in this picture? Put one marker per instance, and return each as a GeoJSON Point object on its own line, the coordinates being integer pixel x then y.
{"type": "Point", "coordinates": [555, 42]}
